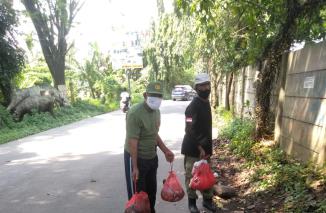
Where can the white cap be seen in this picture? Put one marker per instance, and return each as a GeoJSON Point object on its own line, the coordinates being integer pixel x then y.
{"type": "Point", "coordinates": [202, 78]}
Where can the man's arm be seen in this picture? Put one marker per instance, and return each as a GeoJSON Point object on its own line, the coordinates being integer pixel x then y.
{"type": "Point", "coordinates": [133, 149]}
{"type": "Point", "coordinates": [169, 156]}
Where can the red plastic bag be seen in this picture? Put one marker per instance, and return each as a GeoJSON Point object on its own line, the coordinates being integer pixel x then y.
{"type": "Point", "coordinates": [172, 190]}
{"type": "Point", "coordinates": [202, 176]}
{"type": "Point", "coordinates": [139, 203]}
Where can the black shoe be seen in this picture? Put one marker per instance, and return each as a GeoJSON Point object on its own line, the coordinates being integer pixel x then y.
{"type": "Point", "coordinates": [209, 204]}
{"type": "Point", "coordinates": [192, 206]}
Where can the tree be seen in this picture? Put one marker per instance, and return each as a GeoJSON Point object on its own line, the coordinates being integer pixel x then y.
{"type": "Point", "coordinates": [53, 20]}
{"type": "Point", "coordinates": [95, 70]}
{"type": "Point", "coordinates": [220, 44]}
{"type": "Point", "coordinates": [170, 54]}
{"type": "Point", "coordinates": [95, 77]}
{"type": "Point", "coordinates": [302, 21]}
{"type": "Point", "coordinates": [11, 56]}
{"type": "Point", "coordinates": [257, 31]}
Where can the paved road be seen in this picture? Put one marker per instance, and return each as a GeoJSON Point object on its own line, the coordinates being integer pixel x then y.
{"type": "Point", "coordinates": [78, 168]}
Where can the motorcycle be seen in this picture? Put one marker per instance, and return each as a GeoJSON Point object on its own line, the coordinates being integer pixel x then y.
{"type": "Point", "coordinates": [125, 104]}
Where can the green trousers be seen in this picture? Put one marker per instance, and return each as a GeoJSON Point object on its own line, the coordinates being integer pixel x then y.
{"type": "Point", "coordinates": [188, 164]}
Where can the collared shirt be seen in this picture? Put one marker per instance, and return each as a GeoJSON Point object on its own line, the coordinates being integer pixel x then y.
{"type": "Point", "coordinates": [143, 124]}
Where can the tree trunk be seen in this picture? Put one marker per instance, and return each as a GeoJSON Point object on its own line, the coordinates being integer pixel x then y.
{"type": "Point", "coordinates": [233, 96]}
{"type": "Point", "coordinates": [263, 95]}
{"type": "Point", "coordinates": [52, 30]}
{"type": "Point", "coordinates": [72, 92]}
{"type": "Point", "coordinates": [214, 88]}
{"type": "Point", "coordinates": [226, 99]}
{"type": "Point", "coordinates": [6, 91]}
{"type": "Point", "coordinates": [91, 89]}
{"type": "Point", "coordinates": [229, 79]}
{"type": "Point", "coordinates": [58, 71]}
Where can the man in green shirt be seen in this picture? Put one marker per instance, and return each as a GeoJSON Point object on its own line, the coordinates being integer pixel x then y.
{"type": "Point", "coordinates": [142, 139]}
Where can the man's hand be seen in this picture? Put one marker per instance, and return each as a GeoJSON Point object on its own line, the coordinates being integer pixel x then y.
{"type": "Point", "coordinates": [169, 156]}
{"type": "Point", "coordinates": [135, 174]}
{"type": "Point", "coordinates": [202, 153]}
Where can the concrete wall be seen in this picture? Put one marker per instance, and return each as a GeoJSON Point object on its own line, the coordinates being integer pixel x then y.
{"type": "Point", "coordinates": [236, 94]}
{"type": "Point", "coordinates": [301, 130]}
{"type": "Point", "coordinates": [298, 101]}
{"type": "Point", "coordinates": [242, 91]}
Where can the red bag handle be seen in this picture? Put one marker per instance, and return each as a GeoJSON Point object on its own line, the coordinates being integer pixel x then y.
{"type": "Point", "coordinates": [171, 166]}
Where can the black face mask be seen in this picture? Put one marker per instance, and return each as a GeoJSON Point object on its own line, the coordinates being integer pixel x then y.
{"type": "Point", "coordinates": [204, 94]}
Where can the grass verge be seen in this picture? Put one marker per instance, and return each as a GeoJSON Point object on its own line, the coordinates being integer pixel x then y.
{"type": "Point", "coordinates": [31, 124]}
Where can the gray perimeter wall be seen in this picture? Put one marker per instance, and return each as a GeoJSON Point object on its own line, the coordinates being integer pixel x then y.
{"type": "Point", "coordinates": [298, 101]}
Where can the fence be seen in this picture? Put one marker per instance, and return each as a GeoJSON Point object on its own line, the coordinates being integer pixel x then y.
{"type": "Point", "coordinates": [298, 101]}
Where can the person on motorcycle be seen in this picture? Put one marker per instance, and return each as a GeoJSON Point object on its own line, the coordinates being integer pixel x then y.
{"type": "Point", "coordinates": [125, 99]}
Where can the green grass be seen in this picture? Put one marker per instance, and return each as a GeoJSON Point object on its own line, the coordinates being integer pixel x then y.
{"type": "Point", "coordinates": [35, 123]}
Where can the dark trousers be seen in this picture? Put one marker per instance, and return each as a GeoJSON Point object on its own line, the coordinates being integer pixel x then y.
{"type": "Point", "coordinates": [147, 181]}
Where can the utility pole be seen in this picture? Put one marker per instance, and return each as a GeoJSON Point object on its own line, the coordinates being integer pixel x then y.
{"type": "Point", "coordinates": [128, 77]}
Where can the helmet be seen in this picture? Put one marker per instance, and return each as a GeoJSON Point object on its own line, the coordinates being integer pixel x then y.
{"type": "Point", "coordinates": [202, 78]}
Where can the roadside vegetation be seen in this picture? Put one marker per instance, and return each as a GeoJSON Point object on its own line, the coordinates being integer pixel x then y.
{"type": "Point", "coordinates": [38, 122]}
{"type": "Point", "coordinates": [267, 180]}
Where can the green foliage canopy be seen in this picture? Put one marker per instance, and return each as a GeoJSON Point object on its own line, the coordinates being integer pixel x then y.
{"type": "Point", "coordinates": [53, 20]}
{"type": "Point", "coordinates": [247, 32]}
{"type": "Point", "coordinates": [96, 76]}
{"type": "Point", "coordinates": [11, 56]}
{"type": "Point", "coordinates": [170, 54]}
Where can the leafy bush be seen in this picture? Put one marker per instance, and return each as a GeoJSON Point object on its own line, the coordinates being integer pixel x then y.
{"type": "Point", "coordinates": [238, 129]}
{"type": "Point", "coordinates": [5, 118]}
{"type": "Point", "coordinates": [224, 115]}
{"type": "Point", "coordinates": [34, 75]}
{"type": "Point", "coordinates": [239, 132]}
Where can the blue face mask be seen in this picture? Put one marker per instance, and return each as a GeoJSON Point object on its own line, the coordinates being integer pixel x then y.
{"type": "Point", "coordinates": [154, 102]}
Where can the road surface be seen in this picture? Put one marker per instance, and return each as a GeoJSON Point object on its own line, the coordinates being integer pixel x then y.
{"type": "Point", "coordinates": [78, 168]}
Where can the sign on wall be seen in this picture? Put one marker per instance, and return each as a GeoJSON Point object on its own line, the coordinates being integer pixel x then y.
{"type": "Point", "coordinates": [309, 82]}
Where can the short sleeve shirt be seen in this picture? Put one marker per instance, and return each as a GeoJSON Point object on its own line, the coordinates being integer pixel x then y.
{"type": "Point", "coordinates": [143, 124]}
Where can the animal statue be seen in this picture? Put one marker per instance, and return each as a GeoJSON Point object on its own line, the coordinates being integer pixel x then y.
{"type": "Point", "coordinates": [41, 98]}
{"type": "Point", "coordinates": [38, 103]}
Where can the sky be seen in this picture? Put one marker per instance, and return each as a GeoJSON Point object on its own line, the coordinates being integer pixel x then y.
{"type": "Point", "coordinates": [102, 21]}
